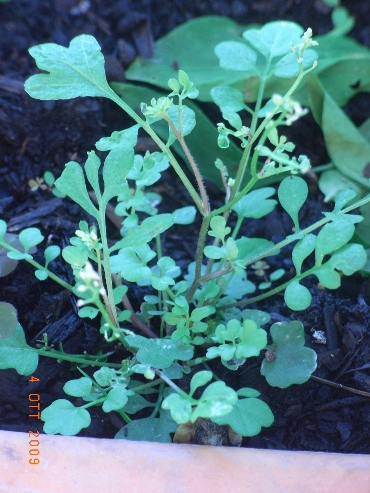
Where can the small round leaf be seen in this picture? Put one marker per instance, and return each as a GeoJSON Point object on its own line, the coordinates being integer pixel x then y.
{"type": "Point", "coordinates": [297, 297]}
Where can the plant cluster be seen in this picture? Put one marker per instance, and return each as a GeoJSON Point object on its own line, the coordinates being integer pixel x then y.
{"type": "Point", "coordinates": [201, 311]}
{"type": "Point", "coordinates": [343, 71]}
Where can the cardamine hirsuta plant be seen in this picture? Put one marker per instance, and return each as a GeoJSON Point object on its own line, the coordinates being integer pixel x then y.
{"type": "Point", "coordinates": [189, 319]}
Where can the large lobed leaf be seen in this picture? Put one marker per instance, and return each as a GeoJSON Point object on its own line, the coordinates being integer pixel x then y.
{"type": "Point", "coordinates": [293, 363]}
{"type": "Point", "coordinates": [16, 353]}
{"type": "Point", "coordinates": [74, 71]}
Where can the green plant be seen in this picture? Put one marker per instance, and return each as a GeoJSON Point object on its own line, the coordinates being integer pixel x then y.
{"type": "Point", "coordinates": [200, 310]}
{"type": "Point", "coordinates": [343, 72]}
{"type": "Point", "coordinates": [45, 183]}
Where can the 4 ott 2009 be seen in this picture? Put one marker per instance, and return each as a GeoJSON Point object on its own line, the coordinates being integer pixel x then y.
{"type": "Point", "coordinates": [34, 443]}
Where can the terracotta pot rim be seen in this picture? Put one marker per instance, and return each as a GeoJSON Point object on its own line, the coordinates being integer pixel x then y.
{"type": "Point", "coordinates": [77, 464]}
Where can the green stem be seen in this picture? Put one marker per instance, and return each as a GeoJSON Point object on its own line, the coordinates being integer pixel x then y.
{"type": "Point", "coordinates": [75, 359]}
{"type": "Point", "coordinates": [223, 289]}
{"type": "Point", "coordinates": [287, 95]}
{"type": "Point", "coordinates": [323, 167]}
{"type": "Point", "coordinates": [203, 235]}
{"type": "Point", "coordinates": [102, 399]}
{"type": "Point", "coordinates": [304, 232]}
{"type": "Point", "coordinates": [215, 275]}
{"type": "Point", "coordinates": [170, 383]}
{"type": "Point", "coordinates": [114, 97]}
{"type": "Point", "coordinates": [159, 400]}
{"type": "Point", "coordinates": [38, 266]}
{"type": "Point", "coordinates": [194, 167]}
{"type": "Point", "coordinates": [110, 306]}
{"type": "Point", "coordinates": [236, 199]}
{"type": "Point", "coordinates": [245, 157]}
{"type": "Point", "coordinates": [284, 243]}
{"type": "Point", "coordinates": [199, 255]}
{"type": "Point", "coordinates": [237, 226]}
{"type": "Point", "coordinates": [256, 132]}
{"type": "Point", "coordinates": [267, 294]}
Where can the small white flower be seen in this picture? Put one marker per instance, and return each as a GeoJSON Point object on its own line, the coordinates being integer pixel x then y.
{"type": "Point", "coordinates": [87, 274]}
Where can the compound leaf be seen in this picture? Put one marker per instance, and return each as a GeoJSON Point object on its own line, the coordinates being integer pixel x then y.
{"type": "Point", "coordinates": [146, 231]}
{"type": "Point", "coordinates": [333, 236]}
{"type": "Point", "coordinates": [179, 407]}
{"type": "Point", "coordinates": [217, 399]}
{"type": "Point", "coordinates": [349, 259]}
{"type": "Point", "coordinates": [252, 340]}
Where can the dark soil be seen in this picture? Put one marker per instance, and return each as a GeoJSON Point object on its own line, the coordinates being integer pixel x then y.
{"type": "Point", "coordinates": [37, 136]}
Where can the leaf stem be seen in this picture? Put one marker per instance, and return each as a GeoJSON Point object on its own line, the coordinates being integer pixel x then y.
{"type": "Point", "coordinates": [176, 166]}
{"type": "Point", "coordinates": [74, 358]}
{"type": "Point", "coordinates": [284, 243]}
{"type": "Point", "coordinates": [170, 383]}
{"type": "Point", "coordinates": [110, 306]}
{"type": "Point", "coordinates": [199, 255]}
{"type": "Point", "coordinates": [38, 266]}
{"type": "Point", "coordinates": [194, 167]}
